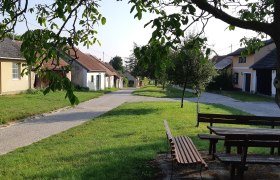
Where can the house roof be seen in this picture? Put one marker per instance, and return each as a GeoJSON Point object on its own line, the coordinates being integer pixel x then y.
{"type": "Point", "coordinates": [107, 70]}
{"type": "Point", "coordinates": [267, 62]}
{"type": "Point", "coordinates": [88, 62]}
{"type": "Point", "coordinates": [225, 62]}
{"type": "Point", "coordinates": [9, 49]}
{"type": "Point", "coordinates": [239, 51]}
{"type": "Point", "coordinates": [109, 66]}
{"type": "Point", "coordinates": [52, 65]}
{"type": "Point", "coordinates": [218, 58]}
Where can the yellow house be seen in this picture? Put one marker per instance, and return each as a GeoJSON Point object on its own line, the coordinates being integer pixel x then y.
{"type": "Point", "coordinates": [11, 66]}
{"type": "Point", "coordinates": [244, 77]}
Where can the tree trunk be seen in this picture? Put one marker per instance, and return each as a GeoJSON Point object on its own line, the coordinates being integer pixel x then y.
{"type": "Point", "coordinates": [183, 94]}
{"type": "Point", "coordinates": [277, 78]}
{"type": "Point", "coordinates": [163, 85]}
{"type": "Point", "coordinates": [156, 82]}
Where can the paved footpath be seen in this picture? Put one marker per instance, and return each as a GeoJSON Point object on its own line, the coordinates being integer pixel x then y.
{"type": "Point", "coordinates": [32, 130]}
{"type": "Point", "coordinates": [255, 108]}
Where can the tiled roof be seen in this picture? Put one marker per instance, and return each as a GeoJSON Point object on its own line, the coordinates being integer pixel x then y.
{"type": "Point", "coordinates": [236, 52]}
{"type": "Point", "coordinates": [9, 49]}
{"type": "Point", "coordinates": [107, 70]}
{"type": "Point", "coordinates": [88, 62]}
{"type": "Point", "coordinates": [224, 63]}
{"type": "Point", "coordinates": [267, 62]}
{"type": "Point", "coordinates": [239, 51]}
{"type": "Point", "coordinates": [116, 73]}
{"type": "Point", "coordinates": [218, 58]}
{"type": "Point", "coordinates": [52, 65]}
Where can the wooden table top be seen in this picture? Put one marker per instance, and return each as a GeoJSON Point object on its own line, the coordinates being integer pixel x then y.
{"type": "Point", "coordinates": [224, 131]}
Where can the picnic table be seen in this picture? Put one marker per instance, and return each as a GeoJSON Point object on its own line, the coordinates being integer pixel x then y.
{"type": "Point", "coordinates": [244, 138]}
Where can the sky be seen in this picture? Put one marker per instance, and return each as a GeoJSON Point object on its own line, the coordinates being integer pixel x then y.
{"type": "Point", "coordinates": [121, 31]}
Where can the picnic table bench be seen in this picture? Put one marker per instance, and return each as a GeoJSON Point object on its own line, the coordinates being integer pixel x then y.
{"type": "Point", "coordinates": [232, 119]}
{"type": "Point", "coordinates": [183, 151]}
{"type": "Point", "coordinates": [239, 160]}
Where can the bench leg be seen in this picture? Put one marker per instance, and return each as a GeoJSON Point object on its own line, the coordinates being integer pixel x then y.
{"type": "Point", "coordinates": [210, 147]}
{"type": "Point", "coordinates": [228, 149]}
{"type": "Point", "coordinates": [272, 150]}
{"type": "Point", "coordinates": [232, 171]}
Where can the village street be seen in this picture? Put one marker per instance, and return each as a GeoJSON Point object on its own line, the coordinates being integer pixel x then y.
{"type": "Point", "coordinates": [31, 130]}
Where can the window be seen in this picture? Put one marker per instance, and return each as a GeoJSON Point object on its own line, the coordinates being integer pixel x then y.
{"type": "Point", "coordinates": [16, 71]}
{"type": "Point", "coordinates": [92, 78]}
{"type": "Point", "coordinates": [235, 78]}
{"type": "Point", "coordinates": [242, 59]}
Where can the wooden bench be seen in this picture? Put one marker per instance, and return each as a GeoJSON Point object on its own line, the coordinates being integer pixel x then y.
{"type": "Point", "coordinates": [239, 161]}
{"type": "Point", "coordinates": [183, 151]}
{"type": "Point", "coordinates": [232, 119]}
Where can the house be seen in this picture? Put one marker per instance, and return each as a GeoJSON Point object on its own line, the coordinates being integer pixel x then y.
{"type": "Point", "coordinates": [244, 77]}
{"type": "Point", "coordinates": [265, 70]}
{"type": "Point", "coordinates": [109, 75]}
{"type": "Point", "coordinates": [57, 66]}
{"type": "Point", "coordinates": [11, 65]}
{"type": "Point", "coordinates": [118, 78]}
{"type": "Point", "coordinates": [132, 81]}
{"type": "Point", "coordinates": [86, 71]}
{"type": "Point", "coordinates": [252, 73]}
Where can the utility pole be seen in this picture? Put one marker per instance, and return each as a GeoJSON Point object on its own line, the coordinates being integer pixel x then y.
{"type": "Point", "coordinates": [103, 56]}
{"type": "Point", "coordinates": [230, 47]}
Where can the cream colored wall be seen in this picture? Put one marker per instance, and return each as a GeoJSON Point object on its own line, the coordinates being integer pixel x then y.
{"type": "Point", "coordinates": [10, 85]}
{"type": "Point", "coordinates": [241, 69]}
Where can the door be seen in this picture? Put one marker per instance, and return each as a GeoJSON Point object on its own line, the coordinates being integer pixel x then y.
{"type": "Point", "coordinates": [98, 82]}
{"type": "Point", "coordinates": [264, 78]}
{"type": "Point", "coordinates": [247, 82]}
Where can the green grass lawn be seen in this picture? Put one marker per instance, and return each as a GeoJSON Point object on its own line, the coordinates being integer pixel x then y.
{"type": "Point", "coordinates": [168, 92]}
{"type": "Point", "coordinates": [245, 97]}
{"type": "Point", "coordinates": [117, 145]}
{"type": "Point", "coordinates": [15, 107]}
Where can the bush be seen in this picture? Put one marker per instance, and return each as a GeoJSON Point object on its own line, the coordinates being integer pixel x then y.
{"type": "Point", "coordinates": [79, 88]}
{"type": "Point", "coordinates": [125, 82]}
{"type": "Point", "coordinates": [32, 91]}
{"type": "Point", "coordinates": [221, 82]}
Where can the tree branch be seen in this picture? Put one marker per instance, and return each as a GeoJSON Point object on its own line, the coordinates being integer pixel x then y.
{"type": "Point", "coordinates": [217, 13]}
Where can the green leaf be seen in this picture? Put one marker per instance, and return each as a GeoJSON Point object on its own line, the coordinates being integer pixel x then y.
{"type": "Point", "coordinates": [103, 20]}
{"type": "Point", "coordinates": [231, 27]}
{"type": "Point", "coordinates": [192, 9]}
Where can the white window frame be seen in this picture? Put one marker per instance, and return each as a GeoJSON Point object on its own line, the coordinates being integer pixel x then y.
{"type": "Point", "coordinates": [16, 69]}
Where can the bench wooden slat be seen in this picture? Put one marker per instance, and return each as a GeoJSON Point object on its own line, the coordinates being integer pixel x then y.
{"type": "Point", "coordinates": [186, 152]}
{"type": "Point", "coordinates": [183, 157]}
{"type": "Point", "coordinates": [239, 119]}
{"type": "Point", "coordinates": [210, 136]}
{"type": "Point", "coordinates": [183, 150]}
{"type": "Point", "coordinates": [197, 153]}
{"type": "Point", "coordinates": [168, 132]}
{"type": "Point", "coordinates": [251, 158]}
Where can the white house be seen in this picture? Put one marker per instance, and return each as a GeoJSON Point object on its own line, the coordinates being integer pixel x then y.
{"type": "Point", "coordinates": [87, 72]}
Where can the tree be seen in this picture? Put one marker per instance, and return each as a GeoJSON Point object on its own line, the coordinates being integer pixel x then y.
{"type": "Point", "coordinates": [117, 63]}
{"type": "Point", "coordinates": [258, 15]}
{"type": "Point", "coordinates": [192, 67]}
{"type": "Point", "coordinates": [152, 61]}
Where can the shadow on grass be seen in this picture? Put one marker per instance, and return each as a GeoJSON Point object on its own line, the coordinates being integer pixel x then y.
{"type": "Point", "coordinates": [139, 111]}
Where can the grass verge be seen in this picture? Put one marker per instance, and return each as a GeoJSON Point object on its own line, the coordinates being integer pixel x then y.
{"type": "Point", "coordinates": [118, 145]}
{"type": "Point", "coordinates": [19, 106]}
{"type": "Point", "coordinates": [245, 97]}
{"type": "Point", "coordinates": [157, 91]}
